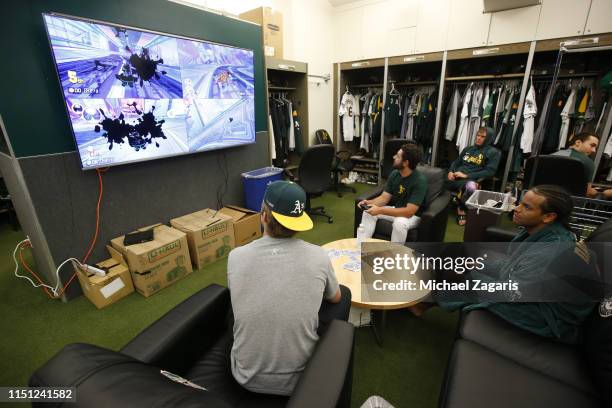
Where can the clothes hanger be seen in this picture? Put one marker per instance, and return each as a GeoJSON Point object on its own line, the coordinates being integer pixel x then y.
{"type": "Point", "coordinates": [393, 90]}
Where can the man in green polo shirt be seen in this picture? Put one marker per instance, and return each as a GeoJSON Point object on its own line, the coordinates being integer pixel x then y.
{"type": "Point", "coordinates": [402, 200]}
{"type": "Point", "coordinates": [583, 145]}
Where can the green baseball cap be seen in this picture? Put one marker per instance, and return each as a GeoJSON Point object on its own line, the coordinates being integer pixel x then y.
{"type": "Point", "coordinates": [287, 202]}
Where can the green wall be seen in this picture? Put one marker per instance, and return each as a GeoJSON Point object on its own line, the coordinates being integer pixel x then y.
{"type": "Point", "coordinates": [31, 101]}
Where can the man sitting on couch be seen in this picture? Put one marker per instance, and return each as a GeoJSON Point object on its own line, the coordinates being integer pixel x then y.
{"type": "Point", "coordinates": [407, 188]}
{"type": "Point", "coordinates": [281, 290]}
{"type": "Point", "coordinates": [544, 213]}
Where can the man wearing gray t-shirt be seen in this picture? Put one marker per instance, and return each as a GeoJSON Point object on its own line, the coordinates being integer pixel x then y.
{"type": "Point", "coordinates": [277, 285]}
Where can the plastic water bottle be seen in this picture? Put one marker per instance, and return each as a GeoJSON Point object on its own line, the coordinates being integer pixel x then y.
{"type": "Point", "coordinates": [360, 234]}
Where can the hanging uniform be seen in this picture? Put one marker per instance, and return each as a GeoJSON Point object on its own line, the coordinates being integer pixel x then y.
{"type": "Point", "coordinates": [529, 112]}
{"type": "Point", "coordinates": [347, 112]}
{"type": "Point", "coordinates": [428, 120]}
{"type": "Point", "coordinates": [462, 133]}
{"type": "Point", "coordinates": [405, 107]}
{"type": "Point", "coordinates": [376, 108]}
{"type": "Point", "coordinates": [475, 114]}
{"type": "Point", "coordinates": [356, 114]}
{"type": "Point", "coordinates": [488, 111]}
{"type": "Point", "coordinates": [291, 129]}
{"type": "Point", "coordinates": [485, 102]}
{"type": "Point", "coordinates": [392, 114]}
{"type": "Point", "coordinates": [565, 119]}
{"type": "Point", "coordinates": [280, 124]}
{"type": "Point", "coordinates": [552, 128]}
{"type": "Point", "coordinates": [297, 129]}
{"type": "Point", "coordinates": [412, 111]}
{"type": "Point", "coordinates": [504, 118]}
{"type": "Point", "coordinates": [365, 122]}
{"type": "Point", "coordinates": [453, 107]}
{"type": "Point", "coordinates": [499, 109]}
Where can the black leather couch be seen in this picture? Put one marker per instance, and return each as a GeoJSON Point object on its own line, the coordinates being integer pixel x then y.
{"type": "Point", "coordinates": [495, 364]}
{"type": "Point", "coordinates": [433, 220]}
{"type": "Point", "coordinates": [192, 341]}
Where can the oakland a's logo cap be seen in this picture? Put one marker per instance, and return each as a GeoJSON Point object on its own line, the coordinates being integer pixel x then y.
{"type": "Point", "coordinates": [287, 201]}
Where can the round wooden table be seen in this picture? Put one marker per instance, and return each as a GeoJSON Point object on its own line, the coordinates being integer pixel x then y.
{"type": "Point", "coordinates": [352, 280]}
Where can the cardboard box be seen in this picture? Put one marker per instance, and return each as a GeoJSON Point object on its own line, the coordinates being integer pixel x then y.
{"type": "Point", "coordinates": [105, 290]}
{"type": "Point", "coordinates": [210, 235]}
{"type": "Point", "coordinates": [158, 263]}
{"type": "Point", "coordinates": [247, 224]}
{"type": "Point", "coordinates": [271, 22]}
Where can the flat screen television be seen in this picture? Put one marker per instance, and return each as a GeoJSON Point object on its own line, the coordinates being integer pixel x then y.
{"type": "Point", "coordinates": [134, 95]}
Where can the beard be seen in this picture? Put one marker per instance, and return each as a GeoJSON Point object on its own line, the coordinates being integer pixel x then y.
{"type": "Point", "coordinates": [398, 166]}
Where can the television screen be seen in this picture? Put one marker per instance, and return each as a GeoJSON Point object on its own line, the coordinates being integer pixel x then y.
{"type": "Point", "coordinates": [135, 95]}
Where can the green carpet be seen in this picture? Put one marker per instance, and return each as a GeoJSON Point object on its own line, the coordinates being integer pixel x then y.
{"type": "Point", "coordinates": [407, 371]}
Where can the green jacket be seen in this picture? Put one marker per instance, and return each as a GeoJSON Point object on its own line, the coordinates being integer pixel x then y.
{"type": "Point", "coordinates": [526, 264]}
{"type": "Point", "coordinates": [478, 161]}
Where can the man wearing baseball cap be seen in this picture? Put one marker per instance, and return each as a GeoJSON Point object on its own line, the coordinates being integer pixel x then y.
{"type": "Point", "coordinates": [278, 285]}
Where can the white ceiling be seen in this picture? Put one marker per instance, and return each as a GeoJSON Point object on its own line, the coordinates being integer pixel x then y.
{"type": "Point", "coordinates": [336, 3]}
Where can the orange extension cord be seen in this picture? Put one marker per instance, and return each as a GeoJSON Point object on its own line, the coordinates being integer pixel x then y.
{"type": "Point", "coordinates": [87, 255]}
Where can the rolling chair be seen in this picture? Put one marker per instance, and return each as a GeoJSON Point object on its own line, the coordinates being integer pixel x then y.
{"type": "Point", "coordinates": [342, 163]}
{"type": "Point", "coordinates": [313, 175]}
{"type": "Point", "coordinates": [548, 172]}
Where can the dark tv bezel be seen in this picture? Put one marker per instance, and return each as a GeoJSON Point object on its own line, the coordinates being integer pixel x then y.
{"type": "Point", "coordinates": [59, 81]}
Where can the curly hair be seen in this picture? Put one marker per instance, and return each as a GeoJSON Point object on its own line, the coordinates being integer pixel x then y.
{"type": "Point", "coordinates": [412, 152]}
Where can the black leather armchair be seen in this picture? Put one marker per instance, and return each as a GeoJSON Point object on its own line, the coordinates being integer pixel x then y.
{"type": "Point", "coordinates": [191, 341]}
{"type": "Point", "coordinates": [433, 220]}
{"type": "Point", "coordinates": [314, 175]}
{"type": "Point", "coordinates": [495, 364]}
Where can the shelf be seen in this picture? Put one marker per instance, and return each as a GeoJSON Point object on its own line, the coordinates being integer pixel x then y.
{"type": "Point", "coordinates": [366, 86]}
{"type": "Point", "coordinates": [564, 76]}
{"type": "Point", "coordinates": [478, 77]}
{"type": "Point", "coordinates": [281, 88]}
{"type": "Point", "coordinates": [416, 83]}
{"type": "Point", "coordinates": [364, 159]}
{"type": "Point", "coordinates": [365, 170]}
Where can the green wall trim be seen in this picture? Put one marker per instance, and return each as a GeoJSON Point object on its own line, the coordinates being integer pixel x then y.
{"type": "Point", "coordinates": [31, 101]}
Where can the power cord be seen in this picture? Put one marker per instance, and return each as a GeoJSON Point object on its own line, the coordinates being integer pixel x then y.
{"type": "Point", "coordinates": [27, 244]}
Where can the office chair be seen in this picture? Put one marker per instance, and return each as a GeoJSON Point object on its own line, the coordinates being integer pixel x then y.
{"type": "Point", "coordinates": [314, 175]}
{"type": "Point", "coordinates": [549, 171]}
{"type": "Point", "coordinates": [342, 163]}
{"type": "Point", "coordinates": [391, 147]}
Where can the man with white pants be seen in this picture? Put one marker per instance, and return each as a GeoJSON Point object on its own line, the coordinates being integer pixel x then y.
{"type": "Point", "coordinates": [406, 188]}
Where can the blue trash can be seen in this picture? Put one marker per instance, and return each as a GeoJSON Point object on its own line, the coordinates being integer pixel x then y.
{"type": "Point", "coordinates": [255, 183]}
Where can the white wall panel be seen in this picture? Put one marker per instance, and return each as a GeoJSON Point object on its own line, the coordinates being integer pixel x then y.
{"type": "Point", "coordinates": [562, 18]}
{"type": "Point", "coordinates": [468, 26]}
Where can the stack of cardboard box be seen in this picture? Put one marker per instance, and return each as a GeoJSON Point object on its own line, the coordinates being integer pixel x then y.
{"type": "Point", "coordinates": [201, 238]}
{"type": "Point", "coordinates": [157, 263]}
